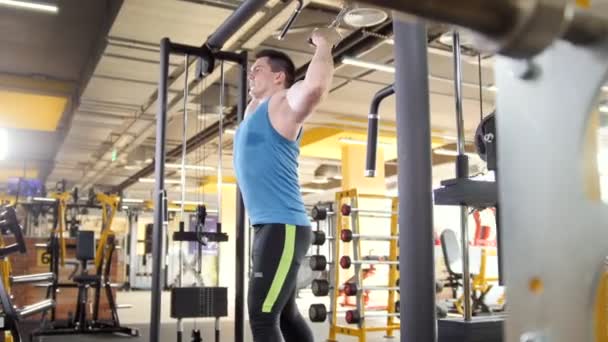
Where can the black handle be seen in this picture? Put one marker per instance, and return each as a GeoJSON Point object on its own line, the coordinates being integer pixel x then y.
{"type": "Point", "coordinates": [372, 129]}
{"type": "Point", "coordinates": [372, 145]}
{"type": "Point", "coordinates": [291, 20]}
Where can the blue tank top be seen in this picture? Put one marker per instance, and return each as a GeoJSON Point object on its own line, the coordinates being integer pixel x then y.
{"type": "Point", "coordinates": [266, 168]}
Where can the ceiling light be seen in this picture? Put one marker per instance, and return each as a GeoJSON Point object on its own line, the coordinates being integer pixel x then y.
{"type": "Point", "coordinates": [604, 108]}
{"type": "Point", "coordinates": [190, 167]}
{"type": "Point", "coordinates": [34, 6]}
{"type": "Point", "coordinates": [132, 200]}
{"type": "Point", "coordinates": [44, 199]}
{"type": "Point", "coordinates": [369, 65]}
{"type": "Point", "coordinates": [3, 144]}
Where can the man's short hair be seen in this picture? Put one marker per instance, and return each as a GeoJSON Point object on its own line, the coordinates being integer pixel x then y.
{"type": "Point", "coordinates": [280, 62]}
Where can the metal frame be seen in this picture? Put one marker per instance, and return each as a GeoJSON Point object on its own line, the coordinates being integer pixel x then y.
{"type": "Point", "coordinates": [160, 204]}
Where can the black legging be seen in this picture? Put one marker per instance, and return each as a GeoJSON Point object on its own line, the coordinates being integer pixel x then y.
{"type": "Point", "coordinates": [278, 250]}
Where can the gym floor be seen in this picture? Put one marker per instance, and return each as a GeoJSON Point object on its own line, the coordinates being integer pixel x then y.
{"type": "Point", "coordinates": [138, 316]}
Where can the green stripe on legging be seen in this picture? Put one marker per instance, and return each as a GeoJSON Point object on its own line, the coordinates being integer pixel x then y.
{"type": "Point", "coordinates": [282, 270]}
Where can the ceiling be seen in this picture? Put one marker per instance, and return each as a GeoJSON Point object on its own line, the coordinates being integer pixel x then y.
{"type": "Point", "coordinates": [44, 63]}
{"type": "Point", "coordinates": [98, 62]}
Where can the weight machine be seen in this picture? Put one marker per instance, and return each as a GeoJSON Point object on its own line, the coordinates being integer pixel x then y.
{"type": "Point", "coordinates": [543, 45]}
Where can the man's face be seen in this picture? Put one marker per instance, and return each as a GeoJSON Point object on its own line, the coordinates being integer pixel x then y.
{"type": "Point", "coordinates": [262, 79]}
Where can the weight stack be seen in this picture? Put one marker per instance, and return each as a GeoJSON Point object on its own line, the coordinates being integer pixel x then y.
{"type": "Point", "coordinates": [193, 302]}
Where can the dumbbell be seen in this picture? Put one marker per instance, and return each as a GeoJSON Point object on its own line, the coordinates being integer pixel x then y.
{"type": "Point", "coordinates": [318, 262]}
{"type": "Point", "coordinates": [346, 210]}
{"type": "Point", "coordinates": [346, 235]}
{"type": "Point", "coordinates": [346, 262]}
{"type": "Point", "coordinates": [354, 316]}
{"type": "Point", "coordinates": [318, 313]}
{"type": "Point", "coordinates": [319, 238]}
{"type": "Point", "coordinates": [320, 287]}
{"type": "Point", "coordinates": [320, 213]}
{"type": "Point", "coordinates": [351, 289]}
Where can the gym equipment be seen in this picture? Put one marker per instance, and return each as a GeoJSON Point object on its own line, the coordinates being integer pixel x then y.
{"type": "Point", "coordinates": [320, 287]}
{"type": "Point", "coordinates": [319, 262]}
{"type": "Point", "coordinates": [99, 280]}
{"type": "Point", "coordinates": [11, 315]}
{"type": "Point", "coordinates": [355, 317]}
{"type": "Point", "coordinates": [347, 210]}
{"type": "Point", "coordinates": [347, 200]}
{"type": "Point", "coordinates": [351, 289]}
{"type": "Point", "coordinates": [346, 235]}
{"type": "Point", "coordinates": [319, 213]}
{"type": "Point", "coordinates": [480, 282]}
{"type": "Point", "coordinates": [206, 58]}
{"type": "Point", "coordinates": [319, 238]}
{"type": "Point", "coordinates": [485, 140]}
{"type": "Point", "coordinates": [318, 313]}
{"type": "Point", "coordinates": [372, 129]}
{"type": "Point", "coordinates": [346, 262]}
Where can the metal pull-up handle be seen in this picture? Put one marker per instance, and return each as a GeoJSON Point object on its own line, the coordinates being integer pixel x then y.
{"type": "Point", "coordinates": [372, 129]}
{"type": "Point", "coordinates": [291, 20]}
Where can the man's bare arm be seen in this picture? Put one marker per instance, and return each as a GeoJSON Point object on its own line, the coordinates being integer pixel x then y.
{"type": "Point", "coordinates": [304, 96]}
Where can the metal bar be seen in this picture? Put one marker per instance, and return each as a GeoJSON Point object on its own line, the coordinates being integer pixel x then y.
{"type": "Point", "coordinates": [416, 243]}
{"type": "Point", "coordinates": [241, 15]}
{"type": "Point", "coordinates": [239, 279]}
{"type": "Point", "coordinates": [228, 56]}
{"type": "Point", "coordinates": [32, 278]}
{"type": "Point", "coordinates": [462, 172]}
{"type": "Point", "coordinates": [182, 49]}
{"type": "Point", "coordinates": [159, 214]}
{"type": "Point", "coordinates": [36, 308]}
{"type": "Point", "coordinates": [458, 91]}
{"type": "Point", "coordinates": [133, 264]}
{"type": "Point", "coordinates": [354, 221]}
{"type": "Point", "coordinates": [372, 129]}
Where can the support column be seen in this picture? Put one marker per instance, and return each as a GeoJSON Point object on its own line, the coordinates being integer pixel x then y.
{"type": "Point", "coordinates": [416, 240]}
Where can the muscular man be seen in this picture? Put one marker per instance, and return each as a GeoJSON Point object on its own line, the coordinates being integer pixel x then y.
{"type": "Point", "coordinates": [266, 150]}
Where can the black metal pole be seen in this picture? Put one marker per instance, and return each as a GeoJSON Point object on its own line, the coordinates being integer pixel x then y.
{"type": "Point", "coordinates": [239, 299]}
{"type": "Point", "coordinates": [234, 22]}
{"type": "Point", "coordinates": [372, 129]}
{"type": "Point", "coordinates": [416, 243]}
{"type": "Point", "coordinates": [159, 193]}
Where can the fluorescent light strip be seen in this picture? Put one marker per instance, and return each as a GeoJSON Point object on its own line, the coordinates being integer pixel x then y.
{"type": "Point", "coordinates": [3, 144]}
{"type": "Point", "coordinates": [30, 6]}
{"type": "Point", "coordinates": [190, 167]}
{"type": "Point", "coordinates": [44, 199]}
{"type": "Point", "coordinates": [369, 65]}
{"type": "Point", "coordinates": [132, 200]}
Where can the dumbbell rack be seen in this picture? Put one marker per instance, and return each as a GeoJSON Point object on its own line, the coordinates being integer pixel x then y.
{"type": "Point", "coordinates": [343, 222]}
